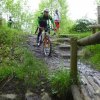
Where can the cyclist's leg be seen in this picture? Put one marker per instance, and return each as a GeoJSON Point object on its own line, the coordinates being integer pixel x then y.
{"type": "Point", "coordinates": [39, 33]}
{"type": "Point", "coordinates": [49, 29]}
{"type": "Point", "coordinates": [46, 30]}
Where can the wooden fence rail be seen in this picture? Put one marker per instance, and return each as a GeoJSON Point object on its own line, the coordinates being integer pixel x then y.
{"type": "Point", "coordinates": [91, 40]}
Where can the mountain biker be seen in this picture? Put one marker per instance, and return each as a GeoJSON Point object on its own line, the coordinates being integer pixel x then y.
{"type": "Point", "coordinates": [42, 23]}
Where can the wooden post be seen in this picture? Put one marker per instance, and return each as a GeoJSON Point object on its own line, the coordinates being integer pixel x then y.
{"type": "Point", "coordinates": [74, 60]}
{"type": "Point", "coordinates": [98, 11]}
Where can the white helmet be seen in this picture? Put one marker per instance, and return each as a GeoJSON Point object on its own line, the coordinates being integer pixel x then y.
{"type": "Point", "coordinates": [46, 10]}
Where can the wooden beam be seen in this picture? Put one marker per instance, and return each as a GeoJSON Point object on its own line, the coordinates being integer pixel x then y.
{"type": "Point", "coordinates": [94, 27]}
{"type": "Point", "coordinates": [90, 40]}
{"type": "Point", "coordinates": [76, 93]}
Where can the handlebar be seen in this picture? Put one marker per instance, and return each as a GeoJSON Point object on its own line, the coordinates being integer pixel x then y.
{"type": "Point", "coordinates": [48, 28]}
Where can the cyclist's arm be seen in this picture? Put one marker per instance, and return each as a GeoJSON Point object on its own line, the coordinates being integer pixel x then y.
{"type": "Point", "coordinates": [52, 21]}
{"type": "Point", "coordinates": [36, 30]}
{"type": "Point", "coordinates": [38, 22]}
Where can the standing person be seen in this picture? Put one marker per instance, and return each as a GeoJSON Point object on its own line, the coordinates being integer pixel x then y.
{"type": "Point", "coordinates": [43, 23]}
{"type": "Point", "coordinates": [10, 22]}
{"type": "Point", "coordinates": [57, 19]}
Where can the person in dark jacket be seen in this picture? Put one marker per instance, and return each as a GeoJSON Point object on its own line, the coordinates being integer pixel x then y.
{"type": "Point", "coordinates": [43, 23]}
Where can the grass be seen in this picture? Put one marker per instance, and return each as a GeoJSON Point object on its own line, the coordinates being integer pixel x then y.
{"type": "Point", "coordinates": [92, 55]}
{"type": "Point", "coordinates": [77, 35]}
{"type": "Point", "coordinates": [60, 81]}
{"type": "Point", "coordinates": [16, 60]}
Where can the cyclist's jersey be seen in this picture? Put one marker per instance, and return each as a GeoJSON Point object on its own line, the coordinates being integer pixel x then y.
{"type": "Point", "coordinates": [42, 20]}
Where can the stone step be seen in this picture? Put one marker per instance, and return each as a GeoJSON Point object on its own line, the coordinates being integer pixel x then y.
{"type": "Point", "coordinates": [65, 55]}
{"type": "Point", "coordinates": [62, 40]}
{"type": "Point", "coordinates": [64, 47]}
{"type": "Point", "coordinates": [55, 44]}
{"type": "Point", "coordinates": [8, 97]}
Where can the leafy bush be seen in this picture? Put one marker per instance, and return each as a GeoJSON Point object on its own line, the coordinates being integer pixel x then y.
{"type": "Point", "coordinates": [60, 81]}
{"type": "Point", "coordinates": [16, 60]}
{"type": "Point", "coordinates": [94, 55]}
{"type": "Point", "coordinates": [81, 25]}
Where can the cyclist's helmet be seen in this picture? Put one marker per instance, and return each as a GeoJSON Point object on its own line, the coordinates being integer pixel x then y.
{"type": "Point", "coordinates": [46, 10]}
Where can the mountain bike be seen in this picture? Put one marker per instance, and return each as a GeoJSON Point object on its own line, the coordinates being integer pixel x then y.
{"type": "Point", "coordinates": [47, 48]}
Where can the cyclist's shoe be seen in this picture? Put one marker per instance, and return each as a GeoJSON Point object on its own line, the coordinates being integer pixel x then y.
{"type": "Point", "coordinates": [38, 44]}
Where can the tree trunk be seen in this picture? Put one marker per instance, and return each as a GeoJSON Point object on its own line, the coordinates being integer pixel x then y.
{"type": "Point", "coordinates": [98, 12]}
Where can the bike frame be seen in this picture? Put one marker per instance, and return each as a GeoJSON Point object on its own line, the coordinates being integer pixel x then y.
{"type": "Point", "coordinates": [46, 44]}
{"type": "Point", "coordinates": [46, 39]}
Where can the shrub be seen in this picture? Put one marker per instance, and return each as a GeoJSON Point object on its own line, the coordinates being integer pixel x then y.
{"type": "Point", "coordinates": [93, 55]}
{"type": "Point", "coordinates": [60, 81]}
{"type": "Point", "coordinates": [16, 60]}
{"type": "Point", "coordinates": [81, 25]}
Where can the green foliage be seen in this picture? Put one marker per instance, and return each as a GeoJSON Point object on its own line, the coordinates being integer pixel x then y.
{"type": "Point", "coordinates": [65, 23]}
{"type": "Point", "coordinates": [29, 69]}
{"type": "Point", "coordinates": [22, 17]}
{"type": "Point", "coordinates": [8, 36]}
{"type": "Point", "coordinates": [7, 71]}
{"type": "Point", "coordinates": [60, 81]}
{"type": "Point", "coordinates": [76, 35]}
{"type": "Point", "coordinates": [94, 55]}
{"type": "Point", "coordinates": [18, 61]}
{"type": "Point", "coordinates": [98, 2]}
{"type": "Point", "coordinates": [34, 68]}
{"type": "Point", "coordinates": [81, 25]}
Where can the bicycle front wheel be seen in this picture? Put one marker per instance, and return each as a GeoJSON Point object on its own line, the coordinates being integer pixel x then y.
{"type": "Point", "coordinates": [47, 47]}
